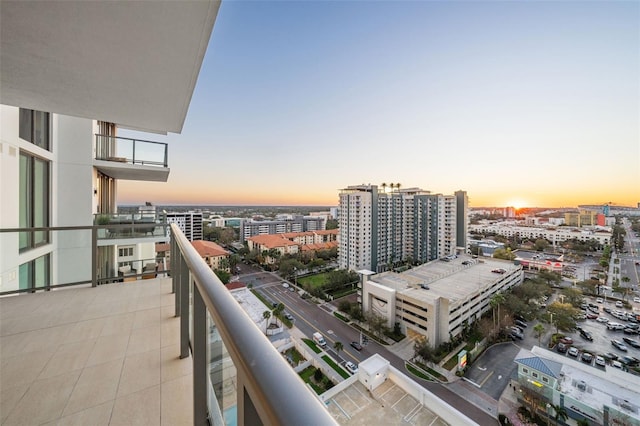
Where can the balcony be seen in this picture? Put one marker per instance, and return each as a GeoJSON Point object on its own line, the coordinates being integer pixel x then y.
{"type": "Point", "coordinates": [163, 351]}
{"type": "Point", "coordinates": [131, 159]}
{"type": "Point", "coordinates": [146, 227]}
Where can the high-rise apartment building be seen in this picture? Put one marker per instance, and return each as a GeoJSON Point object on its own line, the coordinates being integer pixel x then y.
{"type": "Point", "coordinates": [462, 219]}
{"type": "Point", "coordinates": [190, 223]}
{"type": "Point", "coordinates": [380, 228]}
{"type": "Point", "coordinates": [251, 228]}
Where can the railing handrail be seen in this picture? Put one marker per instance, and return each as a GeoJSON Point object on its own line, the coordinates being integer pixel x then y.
{"type": "Point", "coordinates": [277, 392]}
{"type": "Point", "coordinates": [130, 139]}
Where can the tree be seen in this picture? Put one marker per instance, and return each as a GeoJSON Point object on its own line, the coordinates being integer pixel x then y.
{"type": "Point", "coordinates": [266, 315]}
{"type": "Point", "coordinates": [331, 224]}
{"type": "Point", "coordinates": [541, 244]}
{"type": "Point", "coordinates": [504, 254]}
{"type": "Point", "coordinates": [377, 324]}
{"type": "Point", "coordinates": [539, 330]}
{"type": "Point", "coordinates": [563, 315]}
{"type": "Point", "coordinates": [338, 347]}
{"type": "Point", "coordinates": [572, 296]}
{"type": "Point", "coordinates": [549, 277]}
{"type": "Point", "coordinates": [422, 350]}
{"type": "Point", "coordinates": [561, 413]}
{"type": "Point", "coordinates": [495, 302]}
{"type": "Point", "coordinates": [223, 275]}
{"type": "Point", "coordinates": [344, 306]}
{"type": "Point", "coordinates": [278, 310]}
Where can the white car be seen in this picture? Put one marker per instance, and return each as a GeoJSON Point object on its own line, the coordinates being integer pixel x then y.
{"type": "Point", "coordinates": [599, 300]}
{"type": "Point", "coordinates": [285, 285]}
{"type": "Point", "coordinates": [616, 364]}
{"type": "Point", "coordinates": [602, 319]}
{"type": "Point", "coordinates": [573, 351]}
{"type": "Point", "coordinates": [353, 369]}
{"type": "Point", "coordinates": [636, 299]}
{"type": "Point", "coordinates": [619, 304]}
{"type": "Point", "coordinates": [600, 361]}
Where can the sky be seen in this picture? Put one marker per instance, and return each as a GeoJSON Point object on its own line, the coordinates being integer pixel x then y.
{"type": "Point", "coordinates": [526, 104]}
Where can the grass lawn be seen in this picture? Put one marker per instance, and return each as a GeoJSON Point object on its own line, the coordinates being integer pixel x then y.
{"type": "Point", "coordinates": [450, 365]}
{"type": "Point", "coordinates": [335, 366]}
{"type": "Point", "coordinates": [411, 369]}
{"type": "Point", "coordinates": [312, 345]}
{"type": "Point", "coordinates": [313, 281]}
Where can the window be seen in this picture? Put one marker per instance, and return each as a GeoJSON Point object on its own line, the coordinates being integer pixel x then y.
{"type": "Point", "coordinates": [35, 128]}
{"type": "Point", "coordinates": [125, 252]}
{"type": "Point", "coordinates": [535, 375]}
{"type": "Point", "coordinates": [544, 379]}
{"type": "Point", "coordinates": [34, 200]}
{"type": "Point", "coordinates": [525, 371]}
{"type": "Point", "coordinates": [35, 274]}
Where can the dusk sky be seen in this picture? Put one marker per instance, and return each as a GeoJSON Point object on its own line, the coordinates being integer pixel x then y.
{"type": "Point", "coordinates": [518, 103]}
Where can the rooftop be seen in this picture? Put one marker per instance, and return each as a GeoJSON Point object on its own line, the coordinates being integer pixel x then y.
{"type": "Point", "coordinates": [208, 248]}
{"type": "Point", "coordinates": [452, 280]}
{"type": "Point", "coordinates": [107, 356]}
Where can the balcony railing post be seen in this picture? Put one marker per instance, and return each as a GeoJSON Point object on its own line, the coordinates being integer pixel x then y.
{"type": "Point", "coordinates": [94, 256]}
{"type": "Point", "coordinates": [134, 152]}
{"type": "Point", "coordinates": [199, 360]}
{"type": "Point", "coordinates": [184, 287]}
{"type": "Point", "coordinates": [166, 148]}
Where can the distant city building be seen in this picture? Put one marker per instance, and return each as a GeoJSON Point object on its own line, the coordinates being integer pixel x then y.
{"type": "Point", "coordinates": [584, 218]}
{"type": "Point", "coordinates": [611, 210]}
{"type": "Point", "coordinates": [334, 212]}
{"type": "Point", "coordinates": [294, 242]}
{"type": "Point", "coordinates": [213, 254]}
{"type": "Point", "coordinates": [555, 236]}
{"type": "Point", "coordinates": [486, 247]}
{"type": "Point", "coordinates": [190, 223]}
{"type": "Point", "coordinates": [380, 228]}
{"type": "Point", "coordinates": [437, 299]}
{"type": "Point", "coordinates": [251, 228]}
{"type": "Point", "coordinates": [598, 395]}
{"type": "Point", "coordinates": [509, 212]}
{"type": "Point", "coordinates": [462, 219]}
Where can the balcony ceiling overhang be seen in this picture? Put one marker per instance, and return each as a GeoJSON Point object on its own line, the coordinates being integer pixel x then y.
{"type": "Point", "coordinates": [132, 171]}
{"type": "Point", "coordinates": [134, 63]}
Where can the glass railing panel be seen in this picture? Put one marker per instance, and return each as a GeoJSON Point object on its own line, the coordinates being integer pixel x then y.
{"type": "Point", "coordinates": [130, 225]}
{"type": "Point", "coordinates": [131, 151]}
{"type": "Point", "coordinates": [222, 376]}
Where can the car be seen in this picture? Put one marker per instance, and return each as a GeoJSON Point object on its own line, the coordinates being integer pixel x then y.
{"type": "Point", "coordinates": [610, 356]}
{"type": "Point", "coordinates": [614, 325]}
{"type": "Point", "coordinates": [592, 315]}
{"type": "Point", "coordinates": [285, 285]}
{"type": "Point", "coordinates": [562, 348]}
{"type": "Point", "coordinates": [616, 364]}
{"type": "Point", "coordinates": [636, 299]}
{"type": "Point", "coordinates": [517, 335]}
{"type": "Point", "coordinates": [602, 319]}
{"type": "Point", "coordinates": [629, 360]}
{"type": "Point", "coordinates": [594, 309]}
{"type": "Point", "coordinates": [567, 340]}
{"type": "Point", "coordinates": [586, 335]}
{"type": "Point", "coordinates": [586, 357]}
{"type": "Point", "coordinates": [600, 361]}
{"type": "Point", "coordinates": [628, 330]}
{"type": "Point", "coordinates": [573, 351]}
{"type": "Point", "coordinates": [353, 369]}
{"type": "Point", "coordinates": [607, 309]}
{"type": "Point", "coordinates": [291, 288]}
{"type": "Point", "coordinates": [288, 316]}
{"type": "Point", "coordinates": [631, 342]}
{"type": "Point", "coordinates": [517, 329]}
{"type": "Point", "coordinates": [599, 300]}
{"type": "Point", "coordinates": [619, 304]}
{"type": "Point", "coordinates": [357, 346]}
{"type": "Point", "coordinates": [619, 345]}
{"type": "Point", "coordinates": [521, 324]}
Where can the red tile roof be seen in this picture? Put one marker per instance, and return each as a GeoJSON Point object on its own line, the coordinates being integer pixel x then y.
{"type": "Point", "coordinates": [235, 285]}
{"type": "Point", "coordinates": [208, 248]}
{"type": "Point", "coordinates": [272, 241]}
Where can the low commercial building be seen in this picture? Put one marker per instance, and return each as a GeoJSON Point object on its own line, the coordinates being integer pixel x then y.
{"type": "Point", "coordinates": [294, 242]}
{"type": "Point", "coordinates": [439, 298]}
{"type": "Point", "coordinates": [552, 234]}
{"type": "Point", "coordinates": [213, 254]}
{"type": "Point", "coordinates": [599, 395]}
{"type": "Point", "coordinates": [250, 228]}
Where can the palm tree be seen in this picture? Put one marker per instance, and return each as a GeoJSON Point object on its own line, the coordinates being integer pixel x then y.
{"type": "Point", "coordinates": [266, 315]}
{"type": "Point", "coordinates": [539, 329]}
{"type": "Point", "coordinates": [384, 186]}
{"type": "Point", "coordinates": [338, 347]}
{"type": "Point", "coordinates": [278, 310]}
{"type": "Point", "coordinates": [561, 413]}
{"type": "Point", "coordinates": [495, 302]}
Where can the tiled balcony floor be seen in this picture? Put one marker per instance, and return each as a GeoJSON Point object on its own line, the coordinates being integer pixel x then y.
{"type": "Point", "coordinates": [94, 356]}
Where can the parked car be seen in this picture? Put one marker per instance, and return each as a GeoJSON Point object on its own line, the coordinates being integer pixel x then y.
{"type": "Point", "coordinates": [628, 330]}
{"type": "Point", "coordinates": [592, 315]}
{"type": "Point", "coordinates": [619, 304]}
{"type": "Point", "coordinates": [586, 335]}
{"type": "Point", "coordinates": [567, 340]}
{"type": "Point", "coordinates": [600, 361]}
{"type": "Point", "coordinates": [288, 316]}
{"type": "Point", "coordinates": [517, 334]}
{"type": "Point", "coordinates": [586, 357]}
{"type": "Point", "coordinates": [357, 346]}
{"type": "Point", "coordinates": [629, 360]}
{"type": "Point", "coordinates": [599, 300]}
{"type": "Point", "coordinates": [619, 345]}
{"type": "Point", "coordinates": [562, 348]}
{"type": "Point", "coordinates": [616, 364]}
{"type": "Point", "coordinates": [573, 351]}
{"type": "Point", "coordinates": [602, 319]}
{"type": "Point", "coordinates": [285, 285]}
{"type": "Point", "coordinates": [636, 299]}
{"type": "Point", "coordinates": [521, 324]}
{"type": "Point", "coordinates": [610, 356]}
{"type": "Point", "coordinates": [631, 342]}
{"type": "Point", "coordinates": [614, 326]}
{"type": "Point", "coordinates": [353, 369]}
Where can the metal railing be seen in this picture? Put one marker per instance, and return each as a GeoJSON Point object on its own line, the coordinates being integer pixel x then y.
{"type": "Point", "coordinates": [130, 225]}
{"type": "Point", "coordinates": [131, 151]}
{"type": "Point", "coordinates": [223, 338]}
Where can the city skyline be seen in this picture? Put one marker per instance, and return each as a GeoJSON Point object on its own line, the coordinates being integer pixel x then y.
{"type": "Point", "coordinates": [519, 104]}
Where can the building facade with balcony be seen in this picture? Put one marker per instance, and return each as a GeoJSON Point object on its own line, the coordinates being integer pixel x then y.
{"type": "Point", "coordinates": [190, 223]}
{"type": "Point", "coordinates": [252, 228]}
{"type": "Point", "coordinates": [380, 229]}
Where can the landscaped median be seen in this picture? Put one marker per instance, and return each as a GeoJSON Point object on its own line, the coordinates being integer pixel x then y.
{"type": "Point", "coordinates": [312, 345]}
{"type": "Point", "coordinates": [335, 366]}
{"type": "Point", "coordinates": [424, 372]}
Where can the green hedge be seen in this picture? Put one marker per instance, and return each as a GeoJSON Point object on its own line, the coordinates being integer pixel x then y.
{"type": "Point", "coordinates": [312, 345]}
{"type": "Point", "coordinates": [335, 366]}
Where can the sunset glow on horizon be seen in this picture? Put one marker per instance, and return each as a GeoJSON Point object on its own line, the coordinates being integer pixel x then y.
{"type": "Point", "coordinates": [523, 104]}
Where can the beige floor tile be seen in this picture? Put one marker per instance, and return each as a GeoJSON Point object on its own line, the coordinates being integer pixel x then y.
{"type": "Point", "coordinates": [139, 408]}
{"type": "Point", "coordinates": [172, 366]}
{"type": "Point", "coordinates": [170, 332]}
{"type": "Point", "coordinates": [94, 416]}
{"type": "Point", "coordinates": [168, 299]}
{"type": "Point", "coordinates": [96, 385]}
{"type": "Point", "coordinates": [86, 330]}
{"type": "Point", "coordinates": [148, 302]}
{"type": "Point", "coordinates": [23, 369]}
{"type": "Point", "coordinates": [48, 338]}
{"type": "Point", "coordinates": [108, 348]}
{"type": "Point", "coordinates": [118, 324]}
{"type": "Point", "coordinates": [44, 401]}
{"type": "Point", "coordinates": [14, 344]}
{"type": "Point", "coordinates": [68, 357]}
{"type": "Point", "coordinates": [177, 398]}
{"type": "Point", "coordinates": [146, 318]}
{"type": "Point", "coordinates": [144, 339]}
{"type": "Point", "coordinates": [9, 398]}
{"type": "Point", "coordinates": [140, 371]}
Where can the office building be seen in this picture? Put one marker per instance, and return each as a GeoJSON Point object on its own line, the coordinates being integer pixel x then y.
{"type": "Point", "coordinates": [190, 223]}
{"type": "Point", "coordinates": [552, 234]}
{"type": "Point", "coordinates": [438, 298]}
{"type": "Point", "coordinates": [380, 229]}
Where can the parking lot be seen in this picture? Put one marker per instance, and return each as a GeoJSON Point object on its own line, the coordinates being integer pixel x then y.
{"type": "Point", "coordinates": [602, 336]}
